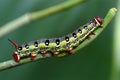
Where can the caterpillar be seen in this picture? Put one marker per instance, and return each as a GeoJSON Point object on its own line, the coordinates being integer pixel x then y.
{"type": "Point", "coordinates": [56, 45]}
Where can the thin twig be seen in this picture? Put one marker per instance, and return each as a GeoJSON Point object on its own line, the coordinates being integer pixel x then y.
{"type": "Point", "coordinates": [29, 17]}
{"type": "Point", "coordinates": [11, 63]}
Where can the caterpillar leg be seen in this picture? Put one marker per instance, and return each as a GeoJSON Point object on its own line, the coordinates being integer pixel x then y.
{"type": "Point", "coordinates": [88, 36]}
{"type": "Point", "coordinates": [33, 55]}
{"type": "Point", "coordinates": [70, 50]}
{"type": "Point", "coordinates": [55, 53]}
{"type": "Point", "coordinates": [44, 53]}
{"type": "Point", "coordinates": [93, 33]}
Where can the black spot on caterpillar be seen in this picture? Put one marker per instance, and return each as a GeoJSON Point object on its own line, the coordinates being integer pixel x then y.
{"type": "Point", "coordinates": [56, 45]}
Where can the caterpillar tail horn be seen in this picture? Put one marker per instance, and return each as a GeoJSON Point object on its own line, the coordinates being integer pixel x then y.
{"type": "Point", "coordinates": [15, 54]}
{"type": "Point", "coordinates": [14, 43]}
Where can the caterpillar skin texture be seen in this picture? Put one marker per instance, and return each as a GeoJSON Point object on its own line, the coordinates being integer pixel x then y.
{"type": "Point", "coordinates": [56, 45]}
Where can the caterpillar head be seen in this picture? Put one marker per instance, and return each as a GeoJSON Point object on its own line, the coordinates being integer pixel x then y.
{"type": "Point", "coordinates": [98, 20]}
{"type": "Point", "coordinates": [16, 56]}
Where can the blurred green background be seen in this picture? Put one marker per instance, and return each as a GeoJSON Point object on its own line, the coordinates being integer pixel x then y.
{"type": "Point", "coordinates": [94, 62]}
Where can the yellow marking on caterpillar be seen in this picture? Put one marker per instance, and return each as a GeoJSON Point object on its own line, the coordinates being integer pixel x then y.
{"type": "Point", "coordinates": [31, 47]}
{"type": "Point", "coordinates": [52, 45]}
{"type": "Point", "coordinates": [78, 34]}
{"type": "Point", "coordinates": [41, 45]}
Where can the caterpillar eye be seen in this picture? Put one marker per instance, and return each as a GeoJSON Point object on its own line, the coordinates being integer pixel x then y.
{"type": "Point", "coordinates": [20, 48]}
{"type": "Point", "coordinates": [16, 57]}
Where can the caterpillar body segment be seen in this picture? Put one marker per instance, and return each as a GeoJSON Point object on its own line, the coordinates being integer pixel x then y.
{"type": "Point", "coordinates": [56, 45]}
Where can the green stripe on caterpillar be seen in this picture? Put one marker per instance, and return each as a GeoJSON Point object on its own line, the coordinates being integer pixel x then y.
{"type": "Point", "coordinates": [56, 45]}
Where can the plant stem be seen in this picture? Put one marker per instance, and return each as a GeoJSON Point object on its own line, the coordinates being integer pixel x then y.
{"type": "Point", "coordinates": [11, 63]}
{"type": "Point", "coordinates": [29, 17]}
